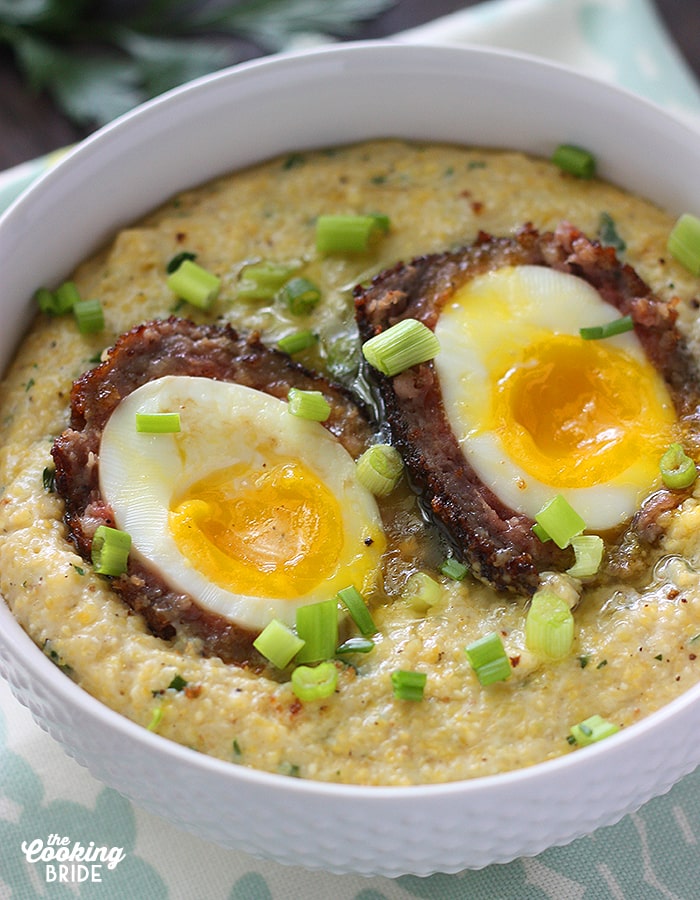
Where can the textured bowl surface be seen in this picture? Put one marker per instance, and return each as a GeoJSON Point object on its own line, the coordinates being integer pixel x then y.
{"type": "Point", "coordinates": [221, 123]}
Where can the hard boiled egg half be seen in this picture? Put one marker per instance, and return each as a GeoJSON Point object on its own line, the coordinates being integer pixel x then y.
{"type": "Point", "coordinates": [250, 510]}
{"type": "Point", "coordinates": [538, 410]}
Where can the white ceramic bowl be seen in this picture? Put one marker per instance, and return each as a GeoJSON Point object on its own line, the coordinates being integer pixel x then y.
{"type": "Point", "coordinates": [237, 117]}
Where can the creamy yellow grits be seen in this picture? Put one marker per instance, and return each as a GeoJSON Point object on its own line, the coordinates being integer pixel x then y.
{"type": "Point", "coordinates": [635, 646]}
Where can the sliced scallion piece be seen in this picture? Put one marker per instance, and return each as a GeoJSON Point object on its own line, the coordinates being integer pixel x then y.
{"type": "Point", "coordinates": [422, 591]}
{"type": "Point", "coordinates": [356, 606]}
{"type": "Point", "coordinates": [348, 233]}
{"type": "Point", "coordinates": [300, 296]}
{"type": "Point", "coordinates": [195, 284]}
{"type": "Point", "coordinates": [89, 316]}
{"type": "Point", "coordinates": [609, 329]}
{"type": "Point", "coordinates": [57, 302]}
{"type": "Point", "coordinates": [317, 626]}
{"type": "Point", "coordinates": [110, 550]}
{"type": "Point", "coordinates": [262, 281]}
{"type": "Point", "coordinates": [593, 729]}
{"type": "Point", "coordinates": [454, 569]}
{"type": "Point", "coordinates": [308, 405]}
{"type": "Point", "coordinates": [157, 423]}
{"type": "Point", "coordinates": [574, 160]}
{"type": "Point", "coordinates": [297, 341]}
{"type": "Point", "coordinates": [488, 658]}
{"type": "Point", "coordinates": [314, 682]}
{"type": "Point", "coordinates": [678, 470]}
{"type": "Point", "coordinates": [355, 645]}
{"type": "Point", "coordinates": [588, 549]}
{"type": "Point", "coordinates": [401, 346]}
{"type": "Point", "coordinates": [549, 625]}
{"type": "Point", "coordinates": [408, 685]}
{"type": "Point", "coordinates": [156, 718]}
{"type": "Point", "coordinates": [379, 469]}
{"type": "Point", "coordinates": [278, 644]}
{"type": "Point", "coordinates": [560, 521]}
{"type": "Point", "coordinates": [67, 295]}
{"type": "Point", "coordinates": [684, 242]}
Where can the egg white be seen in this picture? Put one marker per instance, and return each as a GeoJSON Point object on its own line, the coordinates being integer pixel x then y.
{"type": "Point", "coordinates": [481, 336]}
{"type": "Point", "coordinates": [223, 424]}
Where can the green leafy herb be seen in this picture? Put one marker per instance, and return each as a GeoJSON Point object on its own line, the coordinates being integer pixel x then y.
{"type": "Point", "coordinates": [177, 684]}
{"type": "Point", "coordinates": [98, 61]}
{"type": "Point", "coordinates": [48, 479]}
{"type": "Point", "coordinates": [608, 234]}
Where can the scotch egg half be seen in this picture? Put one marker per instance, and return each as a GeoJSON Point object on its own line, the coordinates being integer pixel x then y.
{"type": "Point", "coordinates": [250, 510]}
{"type": "Point", "coordinates": [538, 410]}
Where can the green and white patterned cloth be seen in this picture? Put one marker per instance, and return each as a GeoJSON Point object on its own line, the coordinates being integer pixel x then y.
{"type": "Point", "coordinates": [46, 797]}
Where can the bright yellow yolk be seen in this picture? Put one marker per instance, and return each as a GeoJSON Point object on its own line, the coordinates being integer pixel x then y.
{"type": "Point", "coordinates": [575, 413]}
{"type": "Point", "coordinates": [272, 533]}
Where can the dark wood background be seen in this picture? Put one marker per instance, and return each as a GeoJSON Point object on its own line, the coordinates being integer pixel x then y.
{"type": "Point", "coordinates": [30, 125]}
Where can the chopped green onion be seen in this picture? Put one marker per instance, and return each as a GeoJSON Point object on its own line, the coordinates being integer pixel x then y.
{"type": "Point", "coordinates": [89, 315]}
{"type": "Point", "coordinates": [379, 469]}
{"type": "Point", "coordinates": [540, 533]}
{"type": "Point", "coordinates": [193, 283]}
{"type": "Point", "coordinates": [296, 342]}
{"type": "Point", "coordinates": [592, 729]}
{"type": "Point", "coordinates": [357, 608]}
{"type": "Point", "coordinates": [308, 405]}
{"type": "Point", "coordinates": [401, 346]}
{"type": "Point", "coordinates": [67, 296]}
{"type": "Point", "coordinates": [678, 470]}
{"type": "Point", "coordinates": [317, 626]}
{"type": "Point", "coordinates": [156, 718]}
{"type": "Point", "coordinates": [59, 301]}
{"type": "Point", "coordinates": [487, 656]}
{"type": "Point", "coordinates": [684, 242]}
{"type": "Point", "coordinates": [454, 569]}
{"type": "Point", "coordinates": [177, 260]}
{"type": "Point", "coordinates": [355, 645]}
{"type": "Point", "coordinates": [382, 221]}
{"type": "Point", "coordinates": [300, 296]}
{"type": "Point", "coordinates": [574, 160]}
{"type": "Point", "coordinates": [408, 685]}
{"type": "Point", "coordinates": [110, 550]}
{"type": "Point", "coordinates": [348, 234]}
{"type": "Point", "coordinates": [422, 591]}
{"type": "Point", "coordinates": [609, 329]}
{"type": "Point", "coordinates": [46, 301]}
{"type": "Point", "coordinates": [261, 281]}
{"type": "Point", "coordinates": [157, 423]}
{"type": "Point", "coordinates": [588, 549]}
{"type": "Point", "coordinates": [549, 625]}
{"type": "Point", "coordinates": [314, 682]}
{"type": "Point", "coordinates": [560, 521]}
{"type": "Point", "coordinates": [278, 644]}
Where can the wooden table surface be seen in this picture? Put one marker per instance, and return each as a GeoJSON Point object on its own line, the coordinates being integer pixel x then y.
{"type": "Point", "coordinates": [30, 125]}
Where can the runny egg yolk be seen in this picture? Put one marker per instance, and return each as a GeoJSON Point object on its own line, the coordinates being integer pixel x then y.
{"type": "Point", "coordinates": [271, 532]}
{"type": "Point", "coordinates": [538, 410]}
{"type": "Point", "coordinates": [575, 413]}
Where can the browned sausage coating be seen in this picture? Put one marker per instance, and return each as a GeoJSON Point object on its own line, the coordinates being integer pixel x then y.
{"type": "Point", "coordinates": [494, 540]}
{"type": "Point", "coordinates": [150, 351]}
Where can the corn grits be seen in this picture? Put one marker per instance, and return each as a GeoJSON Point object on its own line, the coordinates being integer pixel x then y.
{"type": "Point", "coordinates": [635, 647]}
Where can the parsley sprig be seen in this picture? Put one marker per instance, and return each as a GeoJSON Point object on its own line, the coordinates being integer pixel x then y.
{"type": "Point", "coordinates": [99, 58]}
